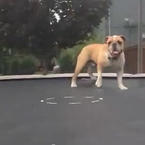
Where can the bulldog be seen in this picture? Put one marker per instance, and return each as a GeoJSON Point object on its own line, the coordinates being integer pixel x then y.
{"type": "Point", "coordinates": [111, 53]}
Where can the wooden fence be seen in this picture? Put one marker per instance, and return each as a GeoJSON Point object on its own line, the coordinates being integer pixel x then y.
{"type": "Point", "coordinates": [131, 60]}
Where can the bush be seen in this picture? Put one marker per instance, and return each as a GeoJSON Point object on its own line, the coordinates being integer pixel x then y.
{"type": "Point", "coordinates": [28, 65]}
{"type": "Point", "coordinates": [67, 58]}
{"type": "Point", "coordinates": [16, 65]}
{"type": "Point", "coordinates": [4, 65]}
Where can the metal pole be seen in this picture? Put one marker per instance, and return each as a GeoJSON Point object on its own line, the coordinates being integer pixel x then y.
{"type": "Point", "coordinates": [109, 22]}
{"type": "Point", "coordinates": [139, 52]}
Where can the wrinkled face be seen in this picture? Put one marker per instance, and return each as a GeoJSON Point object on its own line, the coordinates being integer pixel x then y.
{"type": "Point", "coordinates": [115, 44]}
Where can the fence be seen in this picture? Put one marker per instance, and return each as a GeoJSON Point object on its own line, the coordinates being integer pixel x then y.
{"type": "Point", "coordinates": [131, 59]}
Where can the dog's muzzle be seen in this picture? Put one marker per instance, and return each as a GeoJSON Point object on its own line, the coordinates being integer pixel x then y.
{"type": "Point", "coordinates": [114, 54]}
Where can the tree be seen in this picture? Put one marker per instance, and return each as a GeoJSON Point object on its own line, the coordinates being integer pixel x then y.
{"type": "Point", "coordinates": [78, 18]}
{"type": "Point", "coordinates": [43, 27]}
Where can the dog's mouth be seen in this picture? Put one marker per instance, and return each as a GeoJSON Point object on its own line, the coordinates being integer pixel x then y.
{"type": "Point", "coordinates": [115, 53]}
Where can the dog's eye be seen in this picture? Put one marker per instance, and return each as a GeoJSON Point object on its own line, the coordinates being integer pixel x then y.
{"type": "Point", "coordinates": [119, 42]}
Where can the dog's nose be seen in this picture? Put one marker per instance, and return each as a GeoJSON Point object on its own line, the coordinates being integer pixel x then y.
{"type": "Point", "coordinates": [114, 45]}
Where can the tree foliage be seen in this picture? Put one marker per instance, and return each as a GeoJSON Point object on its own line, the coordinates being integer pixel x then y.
{"type": "Point", "coordinates": [43, 26]}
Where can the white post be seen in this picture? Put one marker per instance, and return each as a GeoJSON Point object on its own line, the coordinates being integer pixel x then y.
{"type": "Point", "coordinates": [109, 21]}
{"type": "Point", "coordinates": [139, 51]}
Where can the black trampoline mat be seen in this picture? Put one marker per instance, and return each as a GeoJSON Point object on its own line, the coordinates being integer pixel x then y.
{"type": "Point", "coordinates": [49, 112]}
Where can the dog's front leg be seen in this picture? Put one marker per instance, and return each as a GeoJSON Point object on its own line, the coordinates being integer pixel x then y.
{"type": "Point", "coordinates": [99, 79]}
{"type": "Point", "coordinates": [119, 79]}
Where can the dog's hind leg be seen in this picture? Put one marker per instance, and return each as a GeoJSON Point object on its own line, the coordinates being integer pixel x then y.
{"type": "Point", "coordinates": [90, 71]}
{"type": "Point", "coordinates": [81, 62]}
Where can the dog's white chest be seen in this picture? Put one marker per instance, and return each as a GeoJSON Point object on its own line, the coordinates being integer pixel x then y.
{"type": "Point", "coordinates": [115, 63]}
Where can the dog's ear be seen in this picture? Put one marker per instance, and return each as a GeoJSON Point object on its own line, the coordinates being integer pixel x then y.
{"type": "Point", "coordinates": [106, 39]}
{"type": "Point", "coordinates": [123, 37]}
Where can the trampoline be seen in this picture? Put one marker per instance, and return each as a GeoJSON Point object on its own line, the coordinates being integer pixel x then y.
{"type": "Point", "coordinates": [49, 112]}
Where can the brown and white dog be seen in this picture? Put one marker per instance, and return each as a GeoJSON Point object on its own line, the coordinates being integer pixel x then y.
{"type": "Point", "coordinates": [111, 53]}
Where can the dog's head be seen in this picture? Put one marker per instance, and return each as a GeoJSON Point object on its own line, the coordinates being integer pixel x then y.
{"type": "Point", "coordinates": [115, 45]}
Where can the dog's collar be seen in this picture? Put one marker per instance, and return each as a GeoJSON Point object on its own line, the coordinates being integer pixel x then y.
{"type": "Point", "coordinates": [110, 57]}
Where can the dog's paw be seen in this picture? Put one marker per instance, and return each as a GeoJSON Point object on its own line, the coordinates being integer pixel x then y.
{"type": "Point", "coordinates": [73, 85]}
{"type": "Point", "coordinates": [98, 85]}
{"type": "Point", "coordinates": [123, 88]}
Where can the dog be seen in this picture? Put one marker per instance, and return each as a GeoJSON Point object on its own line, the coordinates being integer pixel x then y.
{"type": "Point", "coordinates": [111, 53]}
